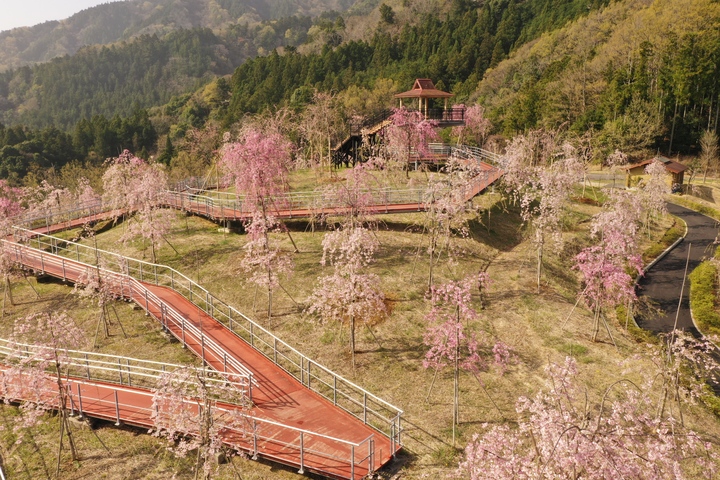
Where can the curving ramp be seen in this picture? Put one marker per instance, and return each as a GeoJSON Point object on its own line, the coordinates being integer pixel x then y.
{"type": "Point", "coordinates": [306, 415]}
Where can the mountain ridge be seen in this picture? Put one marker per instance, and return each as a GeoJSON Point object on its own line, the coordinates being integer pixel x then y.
{"type": "Point", "coordinates": [124, 20]}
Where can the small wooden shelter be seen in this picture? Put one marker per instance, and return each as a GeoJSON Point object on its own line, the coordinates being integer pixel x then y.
{"type": "Point", "coordinates": [423, 90]}
{"type": "Point", "coordinates": [675, 171]}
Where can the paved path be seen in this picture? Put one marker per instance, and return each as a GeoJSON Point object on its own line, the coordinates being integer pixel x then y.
{"type": "Point", "coordinates": [663, 282]}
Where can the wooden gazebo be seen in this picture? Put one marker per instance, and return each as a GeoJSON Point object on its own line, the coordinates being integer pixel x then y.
{"type": "Point", "coordinates": [423, 90]}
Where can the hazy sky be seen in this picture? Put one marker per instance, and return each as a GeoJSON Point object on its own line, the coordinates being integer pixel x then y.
{"type": "Point", "coordinates": [25, 13]}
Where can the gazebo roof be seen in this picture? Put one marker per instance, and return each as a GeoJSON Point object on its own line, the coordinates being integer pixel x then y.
{"type": "Point", "coordinates": [424, 88]}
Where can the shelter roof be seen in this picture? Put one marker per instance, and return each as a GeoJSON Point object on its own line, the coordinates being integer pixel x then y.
{"type": "Point", "coordinates": [424, 88]}
{"type": "Point", "coordinates": [670, 165]}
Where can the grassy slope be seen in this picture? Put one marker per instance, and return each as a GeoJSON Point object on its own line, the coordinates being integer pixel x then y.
{"type": "Point", "coordinates": [540, 328]}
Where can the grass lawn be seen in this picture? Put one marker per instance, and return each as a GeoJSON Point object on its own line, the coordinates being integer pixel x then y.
{"type": "Point", "coordinates": [540, 328]}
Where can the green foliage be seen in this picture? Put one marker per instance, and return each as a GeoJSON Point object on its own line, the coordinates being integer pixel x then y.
{"type": "Point", "coordinates": [641, 75]}
{"type": "Point", "coordinates": [387, 14]}
{"type": "Point", "coordinates": [671, 236]}
{"type": "Point", "coordinates": [25, 152]}
{"type": "Point", "coordinates": [703, 285]}
{"type": "Point", "coordinates": [455, 51]}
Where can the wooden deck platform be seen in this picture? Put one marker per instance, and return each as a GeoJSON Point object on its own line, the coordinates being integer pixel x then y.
{"type": "Point", "coordinates": [292, 417]}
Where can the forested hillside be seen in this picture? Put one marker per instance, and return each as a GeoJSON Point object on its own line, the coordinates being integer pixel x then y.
{"type": "Point", "coordinates": [124, 20]}
{"type": "Point", "coordinates": [147, 71]}
{"type": "Point", "coordinates": [639, 73]}
{"type": "Point", "coordinates": [454, 49]}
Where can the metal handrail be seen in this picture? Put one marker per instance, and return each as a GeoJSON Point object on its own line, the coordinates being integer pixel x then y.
{"type": "Point", "coordinates": [117, 283]}
{"type": "Point", "coordinates": [374, 411]}
{"type": "Point", "coordinates": [310, 201]}
{"type": "Point", "coordinates": [96, 366]}
{"type": "Point", "coordinates": [263, 429]}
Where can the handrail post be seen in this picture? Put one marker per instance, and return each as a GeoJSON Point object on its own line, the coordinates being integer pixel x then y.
{"type": "Point", "coordinates": [399, 430]}
{"type": "Point", "coordinates": [392, 437]}
{"type": "Point", "coordinates": [79, 401]}
{"type": "Point", "coordinates": [182, 326]}
{"type": "Point", "coordinates": [364, 407]}
{"type": "Point", "coordinates": [117, 410]}
{"type": "Point", "coordinates": [302, 455]}
{"type": "Point", "coordinates": [250, 382]}
{"type": "Point", "coordinates": [68, 392]}
{"type": "Point", "coordinates": [255, 447]}
{"type": "Point", "coordinates": [352, 462]}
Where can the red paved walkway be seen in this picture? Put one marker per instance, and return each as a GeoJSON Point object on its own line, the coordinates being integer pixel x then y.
{"type": "Point", "coordinates": [277, 396]}
{"type": "Point", "coordinates": [202, 206]}
{"type": "Point", "coordinates": [134, 406]}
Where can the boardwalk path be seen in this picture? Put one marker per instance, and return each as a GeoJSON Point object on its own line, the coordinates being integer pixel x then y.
{"type": "Point", "coordinates": [663, 282]}
{"type": "Point", "coordinates": [343, 445]}
{"type": "Point", "coordinates": [300, 424]}
{"type": "Point", "coordinates": [218, 206]}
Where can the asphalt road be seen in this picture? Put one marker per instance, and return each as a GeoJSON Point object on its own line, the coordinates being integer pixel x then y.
{"type": "Point", "coordinates": [663, 282]}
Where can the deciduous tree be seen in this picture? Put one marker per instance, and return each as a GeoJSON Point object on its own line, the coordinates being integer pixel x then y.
{"type": "Point", "coordinates": [708, 152]}
{"type": "Point", "coordinates": [476, 129]}
{"type": "Point", "coordinates": [448, 341]}
{"type": "Point", "coordinates": [134, 187]}
{"type": "Point", "coordinates": [350, 294]}
{"type": "Point", "coordinates": [408, 134]}
{"type": "Point", "coordinates": [258, 164]}
{"type": "Point", "coordinates": [187, 414]}
{"type": "Point", "coordinates": [540, 175]}
{"type": "Point", "coordinates": [561, 434]}
{"type": "Point", "coordinates": [51, 334]}
{"type": "Point", "coordinates": [606, 266]}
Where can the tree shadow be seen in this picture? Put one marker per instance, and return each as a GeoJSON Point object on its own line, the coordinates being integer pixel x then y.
{"type": "Point", "coordinates": [499, 227]}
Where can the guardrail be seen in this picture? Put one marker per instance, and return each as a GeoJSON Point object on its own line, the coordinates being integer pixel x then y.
{"type": "Point", "coordinates": [372, 410]}
{"type": "Point", "coordinates": [60, 217]}
{"type": "Point", "coordinates": [116, 369]}
{"type": "Point", "coordinates": [125, 286]}
{"type": "Point", "coordinates": [217, 204]}
{"type": "Point", "coordinates": [256, 431]}
{"type": "Point", "coordinates": [232, 206]}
